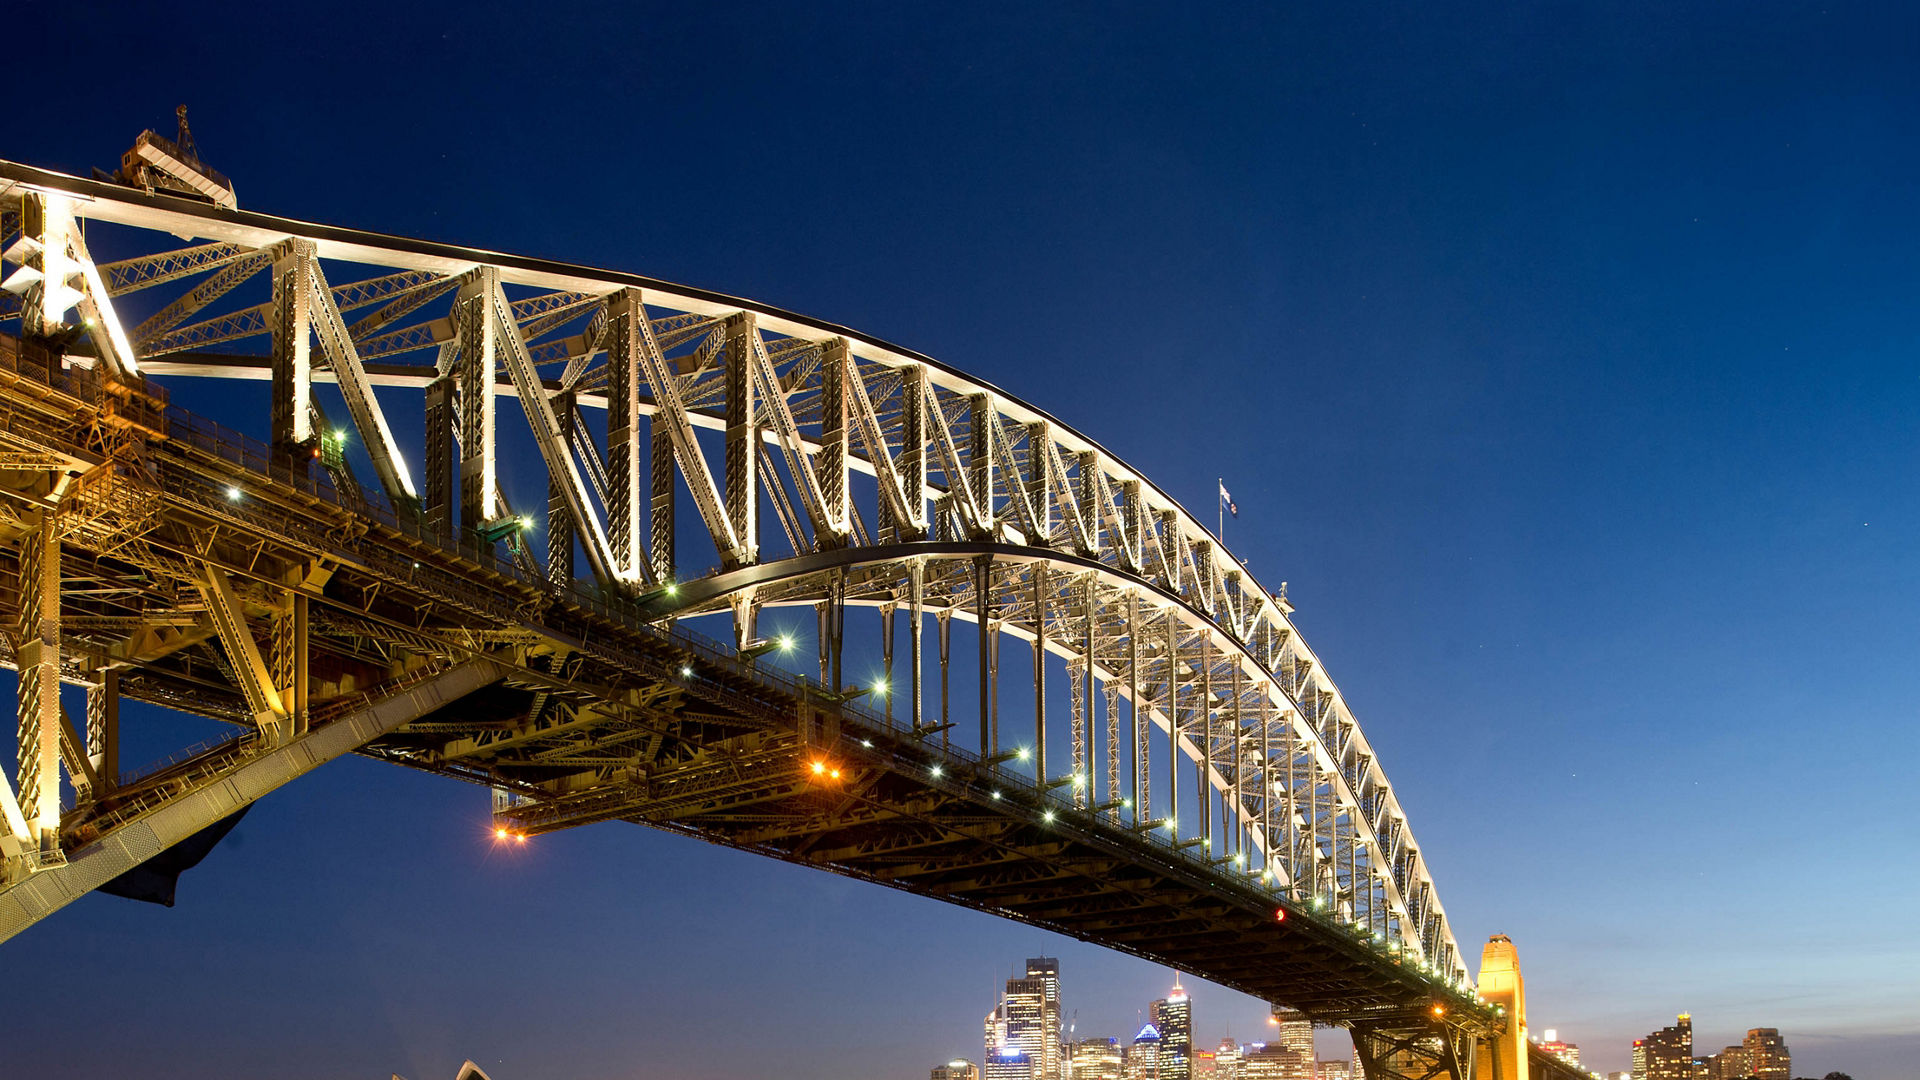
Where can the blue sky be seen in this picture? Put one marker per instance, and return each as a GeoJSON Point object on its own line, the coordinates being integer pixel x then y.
{"type": "Point", "coordinates": [1560, 357]}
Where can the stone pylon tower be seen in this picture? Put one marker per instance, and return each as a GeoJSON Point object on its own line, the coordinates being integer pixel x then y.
{"type": "Point", "coordinates": [1504, 1056]}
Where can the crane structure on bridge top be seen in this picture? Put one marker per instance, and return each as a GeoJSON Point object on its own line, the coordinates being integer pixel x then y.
{"type": "Point", "coordinates": [1169, 771]}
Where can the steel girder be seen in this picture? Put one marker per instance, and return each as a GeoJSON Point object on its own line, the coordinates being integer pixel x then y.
{"type": "Point", "coordinates": [1080, 556]}
{"type": "Point", "coordinates": [224, 781]}
{"type": "Point", "coordinates": [1422, 1047]}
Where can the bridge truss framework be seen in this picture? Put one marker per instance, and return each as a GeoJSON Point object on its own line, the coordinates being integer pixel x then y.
{"type": "Point", "coordinates": [1198, 778]}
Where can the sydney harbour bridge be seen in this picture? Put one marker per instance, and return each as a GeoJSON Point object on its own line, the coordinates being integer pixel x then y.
{"type": "Point", "coordinates": [953, 645]}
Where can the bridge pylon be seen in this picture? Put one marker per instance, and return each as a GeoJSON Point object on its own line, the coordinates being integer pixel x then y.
{"type": "Point", "coordinates": [1504, 1056]}
{"type": "Point", "coordinates": [1426, 1047]}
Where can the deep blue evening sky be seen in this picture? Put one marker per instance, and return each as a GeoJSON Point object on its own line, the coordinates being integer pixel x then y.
{"type": "Point", "coordinates": [1562, 358]}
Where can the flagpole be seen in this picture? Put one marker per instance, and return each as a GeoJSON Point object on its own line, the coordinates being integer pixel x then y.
{"type": "Point", "coordinates": [1220, 510]}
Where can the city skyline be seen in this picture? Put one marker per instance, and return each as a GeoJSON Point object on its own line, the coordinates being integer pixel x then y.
{"type": "Point", "coordinates": [1763, 1051]}
{"type": "Point", "coordinates": [1032, 1033]}
{"type": "Point", "coordinates": [1560, 361]}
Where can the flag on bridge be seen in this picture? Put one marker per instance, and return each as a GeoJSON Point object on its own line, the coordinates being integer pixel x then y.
{"type": "Point", "coordinates": [1226, 500]}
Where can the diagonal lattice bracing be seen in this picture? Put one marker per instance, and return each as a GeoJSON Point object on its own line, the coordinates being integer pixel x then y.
{"type": "Point", "coordinates": [889, 483]}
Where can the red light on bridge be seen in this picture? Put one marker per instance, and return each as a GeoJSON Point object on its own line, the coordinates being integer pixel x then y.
{"type": "Point", "coordinates": [1279, 914]}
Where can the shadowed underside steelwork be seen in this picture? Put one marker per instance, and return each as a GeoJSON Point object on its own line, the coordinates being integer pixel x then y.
{"type": "Point", "coordinates": [1171, 774]}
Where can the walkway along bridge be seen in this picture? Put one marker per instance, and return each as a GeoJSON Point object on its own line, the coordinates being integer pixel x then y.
{"type": "Point", "coordinates": [1170, 773]}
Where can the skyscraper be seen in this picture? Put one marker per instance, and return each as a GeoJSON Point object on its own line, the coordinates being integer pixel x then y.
{"type": "Point", "coordinates": [994, 1028]}
{"type": "Point", "coordinates": [1729, 1064]}
{"type": "Point", "coordinates": [1143, 1055]}
{"type": "Point", "coordinates": [1666, 1054]}
{"type": "Point", "coordinates": [1767, 1054]}
{"type": "Point", "coordinates": [1551, 1046]}
{"type": "Point", "coordinates": [1173, 1017]}
{"type": "Point", "coordinates": [1277, 1061]}
{"type": "Point", "coordinates": [1009, 1065]}
{"type": "Point", "coordinates": [1024, 1010]}
{"type": "Point", "coordinates": [1093, 1059]}
{"type": "Point", "coordinates": [1294, 1031]}
{"type": "Point", "coordinates": [957, 1069]}
{"type": "Point", "coordinates": [1045, 970]}
{"type": "Point", "coordinates": [1335, 1070]}
{"type": "Point", "coordinates": [1227, 1063]}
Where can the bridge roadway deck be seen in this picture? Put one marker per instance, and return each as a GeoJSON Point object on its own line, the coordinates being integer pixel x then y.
{"type": "Point", "coordinates": [629, 720]}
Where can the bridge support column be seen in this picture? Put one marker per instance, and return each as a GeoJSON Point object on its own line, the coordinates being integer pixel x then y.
{"type": "Point", "coordinates": [289, 660]}
{"type": "Point", "coordinates": [1504, 1057]}
{"type": "Point", "coordinates": [742, 443]}
{"type": "Point", "coordinates": [561, 528]}
{"type": "Point", "coordinates": [916, 614]}
{"type": "Point", "coordinates": [886, 656]}
{"type": "Point", "coordinates": [1039, 571]}
{"type": "Point", "coordinates": [946, 656]}
{"type": "Point", "coordinates": [37, 658]}
{"type": "Point", "coordinates": [660, 495]}
{"type": "Point", "coordinates": [103, 730]}
{"type": "Point", "coordinates": [291, 412]}
{"type": "Point", "coordinates": [438, 483]}
{"type": "Point", "coordinates": [475, 368]}
{"type": "Point", "coordinates": [626, 496]}
{"type": "Point", "coordinates": [1136, 737]}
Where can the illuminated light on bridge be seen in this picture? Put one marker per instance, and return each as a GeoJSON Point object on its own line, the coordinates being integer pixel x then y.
{"type": "Point", "coordinates": [1191, 761]}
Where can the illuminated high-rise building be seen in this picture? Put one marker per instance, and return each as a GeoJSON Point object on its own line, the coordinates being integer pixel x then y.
{"type": "Point", "coordinates": [1767, 1054]}
{"type": "Point", "coordinates": [1334, 1070]}
{"type": "Point", "coordinates": [1204, 1065]}
{"type": "Point", "coordinates": [1143, 1055]}
{"type": "Point", "coordinates": [1227, 1063]}
{"type": "Point", "coordinates": [994, 1028]}
{"type": "Point", "coordinates": [1667, 1054]}
{"type": "Point", "coordinates": [1729, 1064]}
{"type": "Point", "coordinates": [1277, 1061]}
{"type": "Point", "coordinates": [1293, 1030]}
{"type": "Point", "coordinates": [1009, 1065]}
{"type": "Point", "coordinates": [957, 1069]}
{"type": "Point", "coordinates": [1045, 970]}
{"type": "Point", "coordinates": [1173, 1017]}
{"type": "Point", "coordinates": [1551, 1046]}
{"type": "Point", "coordinates": [1023, 1009]}
{"type": "Point", "coordinates": [1094, 1059]}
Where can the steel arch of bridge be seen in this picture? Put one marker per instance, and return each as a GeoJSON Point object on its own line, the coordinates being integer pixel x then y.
{"type": "Point", "coordinates": [895, 483]}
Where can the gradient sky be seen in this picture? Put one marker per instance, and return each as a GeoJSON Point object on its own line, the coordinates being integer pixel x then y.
{"type": "Point", "coordinates": [1562, 359]}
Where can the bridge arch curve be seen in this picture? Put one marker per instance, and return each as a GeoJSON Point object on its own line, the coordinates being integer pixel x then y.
{"type": "Point", "coordinates": [802, 457]}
